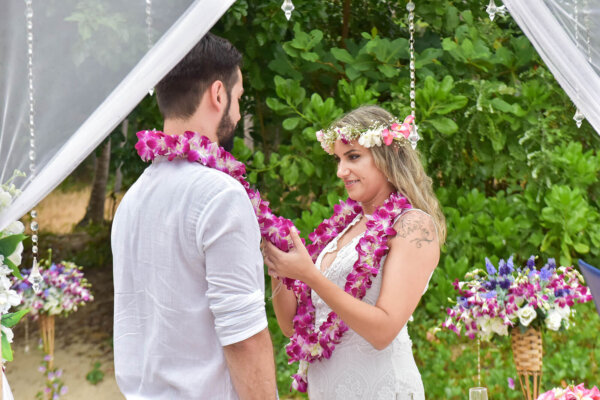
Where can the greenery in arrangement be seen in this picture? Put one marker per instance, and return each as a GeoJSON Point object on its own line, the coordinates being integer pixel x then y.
{"type": "Point", "coordinates": [513, 173]}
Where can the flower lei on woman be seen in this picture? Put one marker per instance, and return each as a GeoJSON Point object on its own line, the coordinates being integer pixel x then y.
{"type": "Point", "coordinates": [308, 343]}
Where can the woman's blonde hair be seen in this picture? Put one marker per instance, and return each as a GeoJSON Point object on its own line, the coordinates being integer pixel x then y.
{"type": "Point", "coordinates": [400, 163]}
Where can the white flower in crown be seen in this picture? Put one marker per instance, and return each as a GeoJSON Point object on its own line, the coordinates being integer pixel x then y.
{"type": "Point", "coordinates": [372, 137]}
{"type": "Point", "coordinates": [376, 135]}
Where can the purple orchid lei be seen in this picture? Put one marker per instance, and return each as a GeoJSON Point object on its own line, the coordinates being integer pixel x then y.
{"type": "Point", "coordinates": [308, 343]}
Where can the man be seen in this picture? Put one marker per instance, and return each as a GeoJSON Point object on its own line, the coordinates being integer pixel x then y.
{"type": "Point", "coordinates": [189, 320]}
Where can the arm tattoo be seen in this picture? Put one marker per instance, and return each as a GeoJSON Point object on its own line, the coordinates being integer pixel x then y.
{"type": "Point", "coordinates": [417, 228]}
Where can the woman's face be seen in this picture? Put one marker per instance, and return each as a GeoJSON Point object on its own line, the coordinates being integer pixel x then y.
{"type": "Point", "coordinates": [364, 182]}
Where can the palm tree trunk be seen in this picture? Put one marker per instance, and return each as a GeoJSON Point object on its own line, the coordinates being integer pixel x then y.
{"type": "Point", "coordinates": [95, 208]}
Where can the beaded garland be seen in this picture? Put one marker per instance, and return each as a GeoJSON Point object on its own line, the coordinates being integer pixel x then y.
{"type": "Point", "coordinates": [308, 343]}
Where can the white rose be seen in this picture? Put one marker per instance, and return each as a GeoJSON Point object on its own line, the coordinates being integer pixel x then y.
{"type": "Point", "coordinates": [526, 315]}
{"type": "Point", "coordinates": [9, 333]}
{"type": "Point", "coordinates": [485, 328]}
{"type": "Point", "coordinates": [8, 299]}
{"type": "Point", "coordinates": [498, 327]}
{"type": "Point", "coordinates": [564, 312]}
{"type": "Point", "coordinates": [16, 256]}
{"type": "Point", "coordinates": [370, 138]}
{"type": "Point", "coordinates": [553, 320]}
{"type": "Point", "coordinates": [15, 228]}
{"type": "Point", "coordinates": [5, 198]}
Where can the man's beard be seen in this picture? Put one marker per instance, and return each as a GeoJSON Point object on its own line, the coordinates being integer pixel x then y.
{"type": "Point", "coordinates": [226, 129]}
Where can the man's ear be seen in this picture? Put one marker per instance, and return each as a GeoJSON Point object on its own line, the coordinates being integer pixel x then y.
{"type": "Point", "coordinates": [218, 95]}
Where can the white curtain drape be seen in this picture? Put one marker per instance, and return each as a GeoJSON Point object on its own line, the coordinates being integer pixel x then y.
{"type": "Point", "coordinates": [91, 68]}
{"type": "Point", "coordinates": [566, 34]}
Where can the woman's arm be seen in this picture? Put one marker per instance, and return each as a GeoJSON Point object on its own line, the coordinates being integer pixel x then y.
{"type": "Point", "coordinates": [413, 255]}
{"type": "Point", "coordinates": [284, 305]}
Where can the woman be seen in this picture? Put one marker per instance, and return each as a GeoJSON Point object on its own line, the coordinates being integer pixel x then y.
{"type": "Point", "coordinates": [373, 359]}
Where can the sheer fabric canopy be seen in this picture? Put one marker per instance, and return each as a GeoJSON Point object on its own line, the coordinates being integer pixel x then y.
{"type": "Point", "coordinates": [93, 61]}
{"type": "Point", "coordinates": [566, 34]}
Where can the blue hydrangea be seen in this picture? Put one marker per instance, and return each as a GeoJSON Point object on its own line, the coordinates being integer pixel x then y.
{"type": "Point", "coordinates": [546, 273]}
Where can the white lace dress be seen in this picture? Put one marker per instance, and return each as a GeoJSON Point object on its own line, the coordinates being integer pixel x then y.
{"type": "Point", "coordinates": [356, 370]}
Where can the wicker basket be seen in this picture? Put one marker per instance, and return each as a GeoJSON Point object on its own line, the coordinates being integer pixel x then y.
{"type": "Point", "coordinates": [47, 332]}
{"type": "Point", "coordinates": [527, 353]}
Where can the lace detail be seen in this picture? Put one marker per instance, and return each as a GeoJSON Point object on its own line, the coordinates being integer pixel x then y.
{"type": "Point", "coordinates": [332, 246]}
{"type": "Point", "coordinates": [356, 370]}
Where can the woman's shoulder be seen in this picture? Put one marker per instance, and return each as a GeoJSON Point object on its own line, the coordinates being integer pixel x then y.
{"type": "Point", "coordinates": [416, 227]}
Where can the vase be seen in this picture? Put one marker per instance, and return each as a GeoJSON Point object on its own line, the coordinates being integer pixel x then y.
{"type": "Point", "coordinates": [478, 393]}
{"type": "Point", "coordinates": [527, 353]}
{"type": "Point", "coordinates": [47, 332]}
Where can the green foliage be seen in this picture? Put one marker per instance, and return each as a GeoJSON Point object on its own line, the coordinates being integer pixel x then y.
{"type": "Point", "coordinates": [8, 245]}
{"type": "Point", "coordinates": [512, 172]}
{"type": "Point", "coordinates": [96, 375]}
{"type": "Point", "coordinates": [9, 320]}
{"type": "Point", "coordinates": [7, 352]}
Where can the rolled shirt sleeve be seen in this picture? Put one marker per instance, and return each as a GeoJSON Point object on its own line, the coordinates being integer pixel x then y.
{"type": "Point", "coordinates": [229, 236]}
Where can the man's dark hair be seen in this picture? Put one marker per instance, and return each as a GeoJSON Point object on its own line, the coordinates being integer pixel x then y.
{"type": "Point", "coordinates": [179, 93]}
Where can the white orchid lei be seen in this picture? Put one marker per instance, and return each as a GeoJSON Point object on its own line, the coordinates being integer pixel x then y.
{"type": "Point", "coordinates": [11, 248]}
{"type": "Point", "coordinates": [375, 135]}
{"type": "Point", "coordinates": [309, 343]}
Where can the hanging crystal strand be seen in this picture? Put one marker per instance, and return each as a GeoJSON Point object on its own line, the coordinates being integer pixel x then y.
{"type": "Point", "coordinates": [287, 8]}
{"type": "Point", "coordinates": [149, 32]}
{"type": "Point", "coordinates": [492, 9]}
{"type": "Point", "coordinates": [35, 278]}
{"type": "Point", "coordinates": [478, 362]}
{"type": "Point", "coordinates": [413, 137]}
{"type": "Point", "coordinates": [579, 117]}
{"type": "Point", "coordinates": [26, 350]}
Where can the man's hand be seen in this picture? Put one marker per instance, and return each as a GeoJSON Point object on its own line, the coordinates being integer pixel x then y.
{"type": "Point", "coordinates": [252, 368]}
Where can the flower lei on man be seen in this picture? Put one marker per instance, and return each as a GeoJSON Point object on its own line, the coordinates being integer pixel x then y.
{"type": "Point", "coordinates": [308, 343]}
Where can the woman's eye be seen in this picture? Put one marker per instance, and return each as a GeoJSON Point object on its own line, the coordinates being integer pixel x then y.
{"type": "Point", "coordinates": [354, 156]}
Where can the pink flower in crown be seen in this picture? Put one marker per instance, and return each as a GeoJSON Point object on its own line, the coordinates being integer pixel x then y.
{"type": "Point", "coordinates": [388, 136]}
{"type": "Point", "coordinates": [404, 128]}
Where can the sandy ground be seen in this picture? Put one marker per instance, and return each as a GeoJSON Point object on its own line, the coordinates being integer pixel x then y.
{"type": "Point", "coordinates": [60, 211]}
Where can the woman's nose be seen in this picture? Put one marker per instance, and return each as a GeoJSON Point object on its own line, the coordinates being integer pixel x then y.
{"type": "Point", "coordinates": [342, 171]}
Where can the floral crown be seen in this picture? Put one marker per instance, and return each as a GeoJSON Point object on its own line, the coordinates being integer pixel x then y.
{"type": "Point", "coordinates": [375, 135]}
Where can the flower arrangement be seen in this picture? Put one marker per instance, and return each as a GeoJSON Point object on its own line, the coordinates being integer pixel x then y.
{"type": "Point", "coordinates": [571, 392]}
{"type": "Point", "coordinates": [63, 289]}
{"type": "Point", "coordinates": [11, 248]}
{"type": "Point", "coordinates": [492, 300]}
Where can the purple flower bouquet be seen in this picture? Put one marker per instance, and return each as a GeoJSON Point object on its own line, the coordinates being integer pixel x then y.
{"type": "Point", "coordinates": [492, 300]}
{"type": "Point", "coordinates": [64, 289]}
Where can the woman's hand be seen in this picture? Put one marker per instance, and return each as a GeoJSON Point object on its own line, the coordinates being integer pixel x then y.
{"type": "Point", "coordinates": [295, 264]}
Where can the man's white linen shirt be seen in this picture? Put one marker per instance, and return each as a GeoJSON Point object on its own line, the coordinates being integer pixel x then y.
{"type": "Point", "coordinates": [188, 276]}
